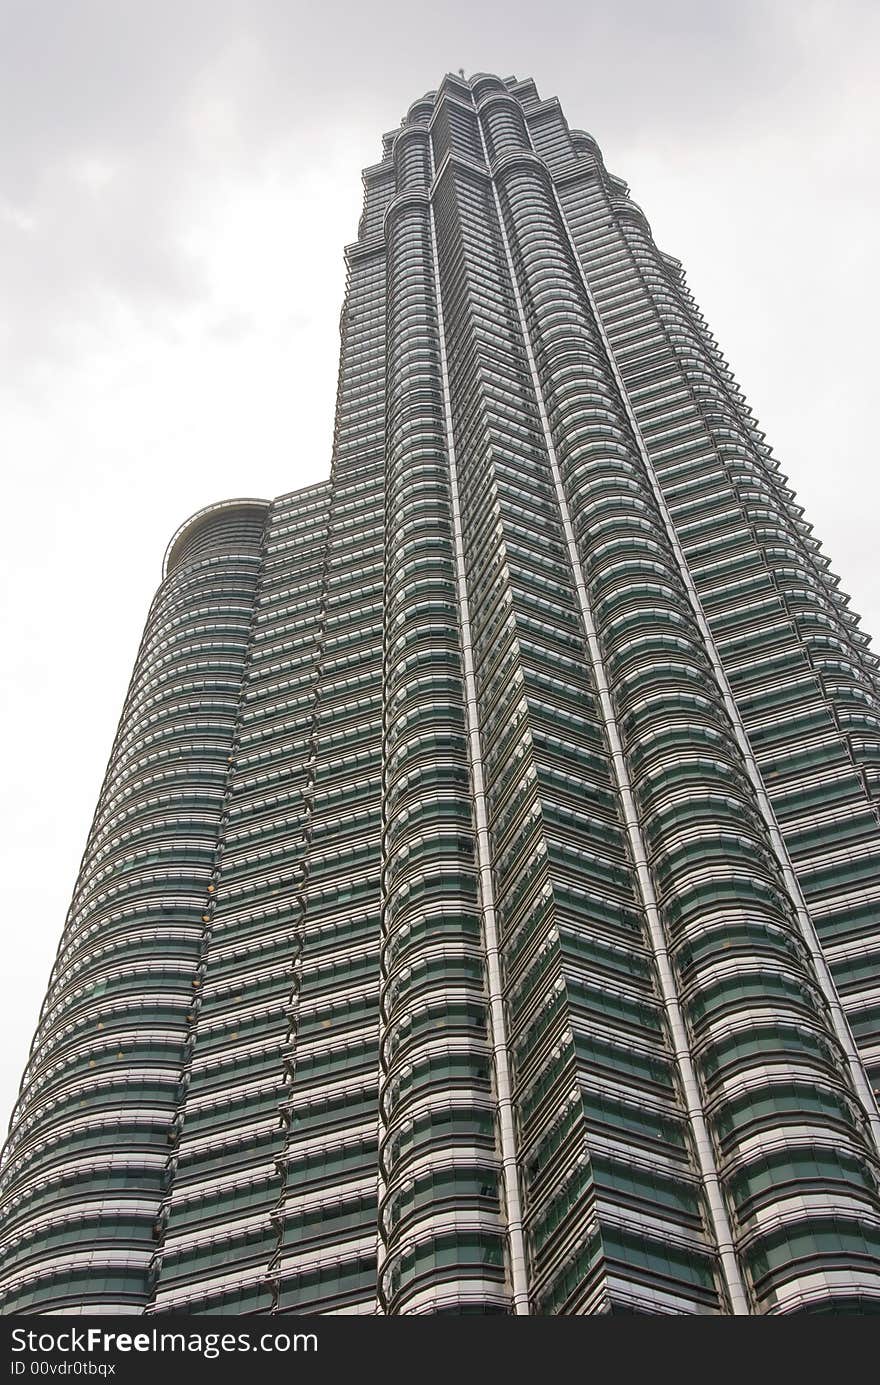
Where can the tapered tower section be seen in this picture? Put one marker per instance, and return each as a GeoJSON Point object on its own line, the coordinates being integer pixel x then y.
{"type": "Point", "coordinates": [482, 910]}
{"type": "Point", "coordinates": [86, 1164]}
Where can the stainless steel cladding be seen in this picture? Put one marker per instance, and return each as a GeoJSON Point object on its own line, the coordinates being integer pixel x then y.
{"type": "Point", "coordinates": [482, 908]}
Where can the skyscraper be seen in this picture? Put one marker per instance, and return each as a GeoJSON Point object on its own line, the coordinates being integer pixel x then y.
{"type": "Point", "coordinates": [482, 908]}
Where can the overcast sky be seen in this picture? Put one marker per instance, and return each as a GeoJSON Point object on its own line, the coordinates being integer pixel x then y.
{"type": "Point", "coordinates": [177, 181]}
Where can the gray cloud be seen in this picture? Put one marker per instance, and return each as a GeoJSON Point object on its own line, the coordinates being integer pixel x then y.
{"type": "Point", "coordinates": [177, 180]}
{"type": "Point", "coordinates": [120, 120]}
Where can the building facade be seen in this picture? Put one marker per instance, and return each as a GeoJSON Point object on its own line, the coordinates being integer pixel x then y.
{"type": "Point", "coordinates": [482, 908]}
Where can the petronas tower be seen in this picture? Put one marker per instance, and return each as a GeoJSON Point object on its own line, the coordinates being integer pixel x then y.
{"type": "Point", "coordinates": [481, 912]}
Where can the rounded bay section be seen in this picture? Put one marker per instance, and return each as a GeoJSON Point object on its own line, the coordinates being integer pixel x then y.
{"type": "Point", "coordinates": [90, 1149]}
{"type": "Point", "coordinates": [231, 526]}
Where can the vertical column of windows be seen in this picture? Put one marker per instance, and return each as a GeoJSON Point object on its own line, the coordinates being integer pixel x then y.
{"type": "Point", "coordinates": [327, 1210]}
{"type": "Point", "coordinates": [440, 1219]}
{"type": "Point", "coordinates": [219, 1232]}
